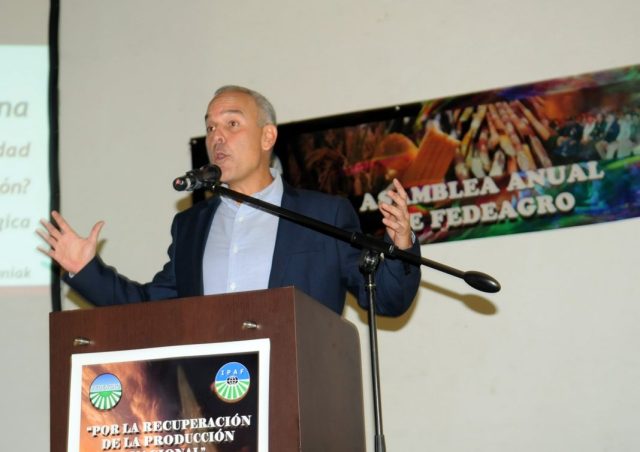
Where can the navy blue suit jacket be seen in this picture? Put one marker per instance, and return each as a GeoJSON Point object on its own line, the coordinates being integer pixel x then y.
{"type": "Point", "coordinates": [320, 266]}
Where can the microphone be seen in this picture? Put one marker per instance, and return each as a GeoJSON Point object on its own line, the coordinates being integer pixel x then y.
{"type": "Point", "coordinates": [205, 176]}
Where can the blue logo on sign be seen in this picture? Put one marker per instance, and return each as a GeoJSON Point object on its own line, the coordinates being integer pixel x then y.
{"type": "Point", "coordinates": [232, 382]}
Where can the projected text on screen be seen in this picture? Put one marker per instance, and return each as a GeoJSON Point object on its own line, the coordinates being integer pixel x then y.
{"type": "Point", "coordinates": [24, 164]}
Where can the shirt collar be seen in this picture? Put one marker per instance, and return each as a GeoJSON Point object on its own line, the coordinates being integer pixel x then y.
{"type": "Point", "coordinates": [272, 193]}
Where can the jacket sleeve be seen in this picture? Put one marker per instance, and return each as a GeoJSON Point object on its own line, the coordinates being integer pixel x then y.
{"type": "Point", "coordinates": [102, 285]}
{"type": "Point", "coordinates": [396, 281]}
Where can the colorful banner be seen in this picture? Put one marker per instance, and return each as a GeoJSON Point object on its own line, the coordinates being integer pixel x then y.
{"type": "Point", "coordinates": [547, 155]}
{"type": "Point", "coordinates": [195, 398]}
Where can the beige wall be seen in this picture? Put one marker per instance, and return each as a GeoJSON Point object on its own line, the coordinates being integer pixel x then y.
{"type": "Point", "coordinates": [550, 363]}
{"type": "Point", "coordinates": [24, 353]}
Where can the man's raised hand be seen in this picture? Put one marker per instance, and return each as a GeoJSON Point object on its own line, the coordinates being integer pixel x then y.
{"type": "Point", "coordinates": [66, 247]}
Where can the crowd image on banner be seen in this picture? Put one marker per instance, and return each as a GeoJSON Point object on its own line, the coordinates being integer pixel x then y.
{"type": "Point", "coordinates": [539, 129]}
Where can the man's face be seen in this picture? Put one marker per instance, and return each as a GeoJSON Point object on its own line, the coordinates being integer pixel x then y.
{"type": "Point", "coordinates": [236, 142]}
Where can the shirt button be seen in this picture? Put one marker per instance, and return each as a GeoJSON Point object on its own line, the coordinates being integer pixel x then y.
{"type": "Point", "coordinates": [235, 249]}
{"type": "Point", "coordinates": [240, 220]}
{"type": "Point", "coordinates": [232, 286]}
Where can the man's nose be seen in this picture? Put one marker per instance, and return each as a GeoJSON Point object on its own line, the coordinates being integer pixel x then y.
{"type": "Point", "coordinates": [218, 137]}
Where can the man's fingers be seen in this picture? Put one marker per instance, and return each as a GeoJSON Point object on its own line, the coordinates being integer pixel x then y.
{"type": "Point", "coordinates": [400, 189]}
{"type": "Point", "coordinates": [62, 224]}
{"type": "Point", "coordinates": [48, 252]}
{"type": "Point", "coordinates": [394, 211]}
{"type": "Point", "coordinates": [95, 231]}
{"type": "Point", "coordinates": [395, 216]}
{"type": "Point", "coordinates": [393, 224]}
{"type": "Point", "coordinates": [46, 237]}
{"type": "Point", "coordinates": [399, 198]}
{"type": "Point", "coordinates": [51, 229]}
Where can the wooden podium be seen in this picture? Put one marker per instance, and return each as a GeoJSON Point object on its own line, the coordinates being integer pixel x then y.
{"type": "Point", "coordinates": [315, 377]}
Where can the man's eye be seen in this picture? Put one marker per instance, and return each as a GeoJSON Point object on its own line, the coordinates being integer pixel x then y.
{"type": "Point", "coordinates": [209, 129]}
{"type": "Point", "coordinates": [234, 123]}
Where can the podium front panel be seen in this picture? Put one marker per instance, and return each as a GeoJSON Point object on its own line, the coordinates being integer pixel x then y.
{"type": "Point", "coordinates": [307, 344]}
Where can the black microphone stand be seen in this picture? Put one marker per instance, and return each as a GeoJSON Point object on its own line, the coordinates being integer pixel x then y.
{"type": "Point", "coordinates": [372, 249]}
{"type": "Point", "coordinates": [369, 261]}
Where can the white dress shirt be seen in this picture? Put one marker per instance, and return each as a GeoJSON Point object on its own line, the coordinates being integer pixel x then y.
{"type": "Point", "coordinates": [239, 248]}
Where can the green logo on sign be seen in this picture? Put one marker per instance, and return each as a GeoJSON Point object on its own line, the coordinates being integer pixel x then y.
{"type": "Point", "coordinates": [105, 392]}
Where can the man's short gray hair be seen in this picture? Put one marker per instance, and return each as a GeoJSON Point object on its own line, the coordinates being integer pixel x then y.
{"type": "Point", "coordinates": [267, 114]}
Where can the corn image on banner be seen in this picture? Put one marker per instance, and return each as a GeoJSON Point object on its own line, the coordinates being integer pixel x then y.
{"type": "Point", "coordinates": [558, 153]}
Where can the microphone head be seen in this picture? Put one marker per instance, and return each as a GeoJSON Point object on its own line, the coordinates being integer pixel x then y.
{"type": "Point", "coordinates": [206, 176]}
{"type": "Point", "coordinates": [482, 281]}
{"type": "Point", "coordinates": [211, 174]}
{"type": "Point", "coordinates": [180, 184]}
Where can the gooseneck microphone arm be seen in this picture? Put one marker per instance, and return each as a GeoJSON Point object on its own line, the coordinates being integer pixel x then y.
{"type": "Point", "coordinates": [475, 279]}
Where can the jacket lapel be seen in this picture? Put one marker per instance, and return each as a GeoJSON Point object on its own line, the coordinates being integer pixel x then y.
{"type": "Point", "coordinates": [284, 238]}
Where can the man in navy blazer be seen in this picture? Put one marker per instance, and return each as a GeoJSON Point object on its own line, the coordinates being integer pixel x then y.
{"type": "Point", "coordinates": [241, 132]}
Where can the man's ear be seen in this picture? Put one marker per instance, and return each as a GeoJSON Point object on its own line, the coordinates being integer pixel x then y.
{"type": "Point", "coordinates": [269, 135]}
